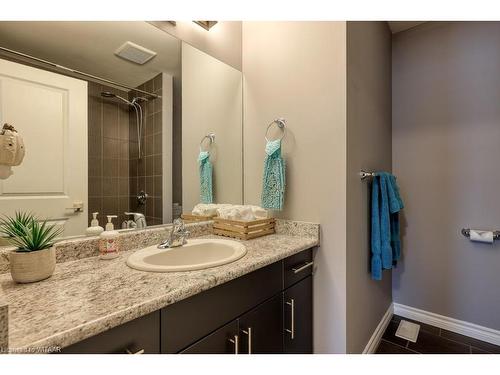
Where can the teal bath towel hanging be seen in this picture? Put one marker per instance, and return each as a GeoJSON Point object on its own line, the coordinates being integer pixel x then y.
{"type": "Point", "coordinates": [206, 194]}
{"type": "Point", "coordinates": [273, 183]}
{"type": "Point", "coordinates": [385, 232]}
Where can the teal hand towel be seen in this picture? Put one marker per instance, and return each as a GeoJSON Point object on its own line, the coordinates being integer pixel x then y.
{"type": "Point", "coordinates": [385, 236]}
{"type": "Point", "coordinates": [205, 177]}
{"type": "Point", "coordinates": [273, 181]}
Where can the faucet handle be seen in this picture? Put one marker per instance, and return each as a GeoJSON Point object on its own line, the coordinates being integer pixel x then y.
{"type": "Point", "coordinates": [137, 215]}
{"type": "Point", "coordinates": [178, 225]}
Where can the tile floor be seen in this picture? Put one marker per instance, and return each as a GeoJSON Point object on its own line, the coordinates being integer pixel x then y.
{"type": "Point", "coordinates": [431, 340]}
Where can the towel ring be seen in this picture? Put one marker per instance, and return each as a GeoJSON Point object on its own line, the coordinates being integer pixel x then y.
{"type": "Point", "coordinates": [280, 122]}
{"type": "Point", "coordinates": [209, 136]}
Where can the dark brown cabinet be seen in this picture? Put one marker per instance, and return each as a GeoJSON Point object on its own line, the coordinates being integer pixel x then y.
{"type": "Point", "coordinates": [261, 329]}
{"type": "Point", "coordinates": [268, 311]}
{"type": "Point", "coordinates": [139, 336]}
{"type": "Point", "coordinates": [298, 317]}
{"type": "Point", "coordinates": [222, 341]}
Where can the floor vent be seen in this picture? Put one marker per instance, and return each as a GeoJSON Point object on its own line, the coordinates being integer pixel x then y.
{"type": "Point", "coordinates": [408, 330]}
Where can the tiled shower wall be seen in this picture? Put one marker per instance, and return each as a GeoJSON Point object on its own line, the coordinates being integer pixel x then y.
{"type": "Point", "coordinates": [146, 171]}
{"type": "Point", "coordinates": [108, 150]}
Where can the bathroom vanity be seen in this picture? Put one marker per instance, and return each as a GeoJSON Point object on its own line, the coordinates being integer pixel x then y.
{"type": "Point", "coordinates": [266, 311]}
{"type": "Point", "coordinates": [260, 303]}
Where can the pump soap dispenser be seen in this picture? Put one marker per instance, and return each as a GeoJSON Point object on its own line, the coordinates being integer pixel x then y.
{"type": "Point", "coordinates": [95, 229]}
{"type": "Point", "coordinates": [109, 243]}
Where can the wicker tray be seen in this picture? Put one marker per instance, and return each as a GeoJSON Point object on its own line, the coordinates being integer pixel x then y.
{"type": "Point", "coordinates": [243, 230]}
{"type": "Point", "coordinates": [190, 218]}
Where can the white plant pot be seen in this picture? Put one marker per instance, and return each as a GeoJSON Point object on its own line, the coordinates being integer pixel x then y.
{"type": "Point", "coordinates": [28, 267]}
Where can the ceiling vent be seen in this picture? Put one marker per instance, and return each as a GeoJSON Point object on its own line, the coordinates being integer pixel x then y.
{"type": "Point", "coordinates": [135, 53]}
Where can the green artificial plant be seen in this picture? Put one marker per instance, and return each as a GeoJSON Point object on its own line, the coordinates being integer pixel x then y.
{"type": "Point", "coordinates": [25, 231]}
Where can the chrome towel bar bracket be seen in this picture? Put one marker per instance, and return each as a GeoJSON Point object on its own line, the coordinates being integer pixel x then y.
{"type": "Point", "coordinates": [364, 174]}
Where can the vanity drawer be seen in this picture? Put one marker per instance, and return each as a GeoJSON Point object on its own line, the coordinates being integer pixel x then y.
{"type": "Point", "coordinates": [297, 267]}
{"type": "Point", "coordinates": [140, 335]}
{"type": "Point", "coordinates": [184, 322]}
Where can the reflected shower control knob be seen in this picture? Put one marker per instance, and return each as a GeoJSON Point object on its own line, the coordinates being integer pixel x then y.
{"type": "Point", "coordinates": [142, 196]}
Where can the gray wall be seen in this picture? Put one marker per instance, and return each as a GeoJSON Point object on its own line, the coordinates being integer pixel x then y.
{"type": "Point", "coordinates": [369, 148]}
{"type": "Point", "coordinates": [446, 152]}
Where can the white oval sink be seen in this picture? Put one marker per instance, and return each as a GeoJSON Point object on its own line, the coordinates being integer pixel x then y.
{"type": "Point", "coordinates": [197, 254]}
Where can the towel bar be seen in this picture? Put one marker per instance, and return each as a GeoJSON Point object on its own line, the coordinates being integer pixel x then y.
{"type": "Point", "coordinates": [466, 233]}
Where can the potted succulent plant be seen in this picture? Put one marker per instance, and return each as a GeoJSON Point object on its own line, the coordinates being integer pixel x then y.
{"type": "Point", "coordinates": [35, 256]}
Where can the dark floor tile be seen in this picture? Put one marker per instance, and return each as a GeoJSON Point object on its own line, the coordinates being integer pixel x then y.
{"type": "Point", "coordinates": [471, 341]}
{"type": "Point", "coordinates": [386, 347]}
{"type": "Point", "coordinates": [478, 351]}
{"type": "Point", "coordinates": [423, 326]}
{"type": "Point", "coordinates": [428, 343]}
{"type": "Point", "coordinates": [390, 334]}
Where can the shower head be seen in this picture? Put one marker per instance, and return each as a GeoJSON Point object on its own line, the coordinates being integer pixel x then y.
{"type": "Point", "coordinates": [107, 94]}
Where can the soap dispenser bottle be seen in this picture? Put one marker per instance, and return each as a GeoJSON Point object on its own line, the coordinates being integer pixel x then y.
{"type": "Point", "coordinates": [95, 229]}
{"type": "Point", "coordinates": [109, 243]}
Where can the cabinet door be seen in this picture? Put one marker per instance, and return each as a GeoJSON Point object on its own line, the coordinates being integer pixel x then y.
{"type": "Point", "coordinates": [141, 335]}
{"type": "Point", "coordinates": [261, 329]}
{"type": "Point", "coordinates": [298, 317]}
{"type": "Point", "coordinates": [225, 340]}
{"type": "Point", "coordinates": [182, 324]}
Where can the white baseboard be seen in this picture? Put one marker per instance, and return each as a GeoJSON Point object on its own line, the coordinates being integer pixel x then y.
{"type": "Point", "coordinates": [372, 345]}
{"type": "Point", "coordinates": [458, 326]}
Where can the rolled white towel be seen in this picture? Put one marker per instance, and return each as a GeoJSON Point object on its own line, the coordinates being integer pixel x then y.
{"type": "Point", "coordinates": [204, 209]}
{"type": "Point", "coordinates": [245, 213]}
{"type": "Point", "coordinates": [242, 212]}
{"type": "Point", "coordinates": [236, 212]}
{"type": "Point", "coordinates": [259, 212]}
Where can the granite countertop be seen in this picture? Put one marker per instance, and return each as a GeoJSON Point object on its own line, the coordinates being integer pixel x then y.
{"type": "Point", "coordinates": [87, 296]}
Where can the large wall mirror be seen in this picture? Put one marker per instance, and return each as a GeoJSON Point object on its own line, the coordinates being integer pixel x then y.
{"type": "Point", "coordinates": [113, 116]}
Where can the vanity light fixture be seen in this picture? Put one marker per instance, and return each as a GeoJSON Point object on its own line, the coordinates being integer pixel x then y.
{"type": "Point", "coordinates": [207, 25]}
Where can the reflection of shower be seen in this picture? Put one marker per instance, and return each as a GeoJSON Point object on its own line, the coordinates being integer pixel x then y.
{"type": "Point", "coordinates": [140, 119]}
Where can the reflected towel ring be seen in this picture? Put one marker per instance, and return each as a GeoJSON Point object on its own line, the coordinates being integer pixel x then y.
{"type": "Point", "coordinates": [280, 122]}
{"type": "Point", "coordinates": [210, 136]}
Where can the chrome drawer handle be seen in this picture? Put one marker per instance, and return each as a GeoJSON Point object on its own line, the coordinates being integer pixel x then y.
{"type": "Point", "coordinates": [248, 332]}
{"type": "Point", "coordinates": [303, 267]}
{"type": "Point", "coordinates": [235, 341]}
{"type": "Point", "coordinates": [291, 331]}
{"type": "Point", "coordinates": [137, 352]}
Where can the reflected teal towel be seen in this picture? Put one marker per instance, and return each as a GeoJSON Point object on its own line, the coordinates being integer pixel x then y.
{"type": "Point", "coordinates": [385, 236]}
{"type": "Point", "coordinates": [205, 177]}
{"type": "Point", "coordinates": [273, 182]}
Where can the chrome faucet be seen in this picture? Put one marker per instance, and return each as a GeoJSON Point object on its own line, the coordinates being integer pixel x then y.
{"type": "Point", "coordinates": [139, 220]}
{"type": "Point", "coordinates": [177, 236]}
